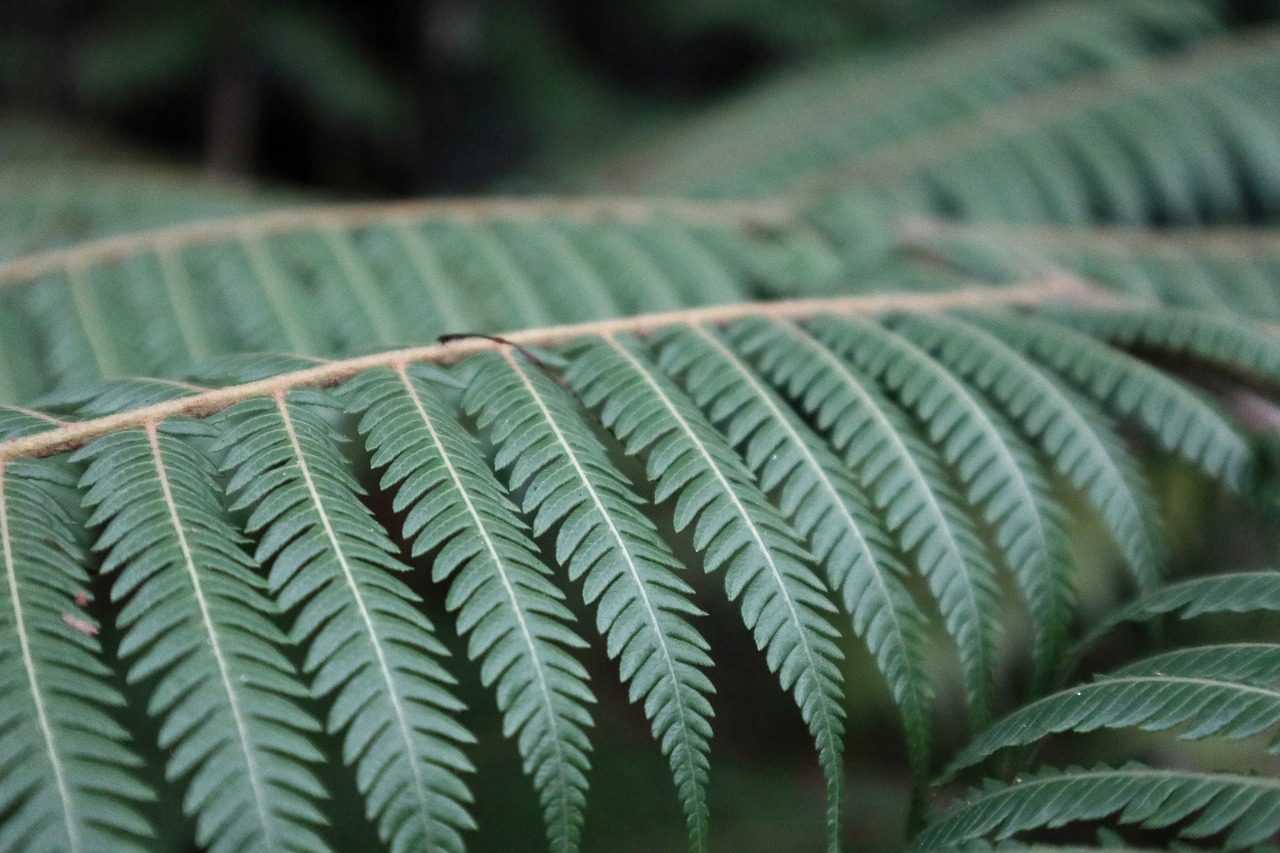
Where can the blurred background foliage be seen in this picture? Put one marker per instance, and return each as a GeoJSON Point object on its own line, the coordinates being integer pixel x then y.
{"type": "Point", "coordinates": [412, 97]}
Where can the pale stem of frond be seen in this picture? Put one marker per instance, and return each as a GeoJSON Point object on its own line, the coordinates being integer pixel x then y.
{"type": "Point", "coordinates": [1224, 243]}
{"type": "Point", "coordinates": [763, 213]}
{"type": "Point", "coordinates": [1051, 287]}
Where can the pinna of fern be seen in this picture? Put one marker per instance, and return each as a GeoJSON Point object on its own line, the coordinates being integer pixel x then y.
{"type": "Point", "coordinates": [815, 477]}
{"type": "Point", "coordinates": [1224, 690]}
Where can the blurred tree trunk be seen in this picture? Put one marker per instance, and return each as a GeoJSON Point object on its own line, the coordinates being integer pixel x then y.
{"type": "Point", "coordinates": [235, 96]}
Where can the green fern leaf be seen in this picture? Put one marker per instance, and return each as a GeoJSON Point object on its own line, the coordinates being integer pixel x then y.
{"type": "Point", "coordinates": [1180, 419]}
{"type": "Point", "coordinates": [999, 471]}
{"type": "Point", "coordinates": [66, 768]}
{"type": "Point", "coordinates": [1222, 341]}
{"type": "Point", "coordinates": [628, 571]}
{"type": "Point", "coordinates": [198, 621]}
{"type": "Point", "coordinates": [1152, 695]}
{"type": "Point", "coordinates": [783, 602]}
{"type": "Point", "coordinates": [1256, 664]}
{"type": "Point", "coordinates": [518, 628]}
{"type": "Point", "coordinates": [1238, 592]}
{"type": "Point", "coordinates": [1075, 436]}
{"type": "Point", "coordinates": [367, 643]}
{"type": "Point", "coordinates": [1244, 808]}
{"type": "Point", "coordinates": [819, 497]}
{"type": "Point", "coordinates": [904, 477]}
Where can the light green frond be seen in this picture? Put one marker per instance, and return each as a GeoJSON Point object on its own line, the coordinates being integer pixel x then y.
{"type": "Point", "coordinates": [506, 604]}
{"type": "Point", "coordinates": [783, 602]}
{"type": "Point", "coordinates": [999, 471]}
{"type": "Point", "coordinates": [67, 771]}
{"type": "Point", "coordinates": [1075, 436]}
{"type": "Point", "coordinates": [371, 653]}
{"type": "Point", "coordinates": [904, 477]}
{"type": "Point", "coordinates": [628, 572]}
{"type": "Point", "coordinates": [196, 620]}
{"type": "Point", "coordinates": [820, 498]}
{"type": "Point", "coordinates": [1242, 809]}
{"type": "Point", "coordinates": [1179, 418]}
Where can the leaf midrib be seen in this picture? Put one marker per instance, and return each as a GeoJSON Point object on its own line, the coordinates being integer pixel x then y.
{"type": "Point", "coordinates": [29, 664]}
{"type": "Point", "coordinates": [562, 783]}
{"type": "Point", "coordinates": [650, 614]}
{"type": "Point", "coordinates": [215, 642]}
{"type": "Point", "coordinates": [339, 553]}
{"type": "Point", "coordinates": [727, 488]}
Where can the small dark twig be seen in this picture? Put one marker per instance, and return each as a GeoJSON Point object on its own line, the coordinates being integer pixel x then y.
{"type": "Point", "coordinates": [524, 351]}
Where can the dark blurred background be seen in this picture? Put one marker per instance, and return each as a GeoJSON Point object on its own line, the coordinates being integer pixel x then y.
{"type": "Point", "coordinates": [403, 97]}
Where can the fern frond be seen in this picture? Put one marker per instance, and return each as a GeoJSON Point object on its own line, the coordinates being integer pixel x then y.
{"type": "Point", "coordinates": [999, 471]}
{"type": "Point", "coordinates": [342, 279]}
{"type": "Point", "coordinates": [782, 601]}
{"type": "Point", "coordinates": [368, 647]}
{"type": "Point", "coordinates": [1221, 269]}
{"type": "Point", "coordinates": [1175, 689]}
{"type": "Point", "coordinates": [1180, 419]}
{"type": "Point", "coordinates": [1244, 809]}
{"type": "Point", "coordinates": [1224, 342]}
{"type": "Point", "coordinates": [517, 627]}
{"type": "Point", "coordinates": [67, 770]}
{"type": "Point", "coordinates": [1237, 592]}
{"type": "Point", "coordinates": [849, 112]}
{"type": "Point", "coordinates": [1077, 438]}
{"type": "Point", "coordinates": [819, 497]}
{"type": "Point", "coordinates": [904, 477]}
{"type": "Point", "coordinates": [628, 571]}
{"type": "Point", "coordinates": [196, 620]}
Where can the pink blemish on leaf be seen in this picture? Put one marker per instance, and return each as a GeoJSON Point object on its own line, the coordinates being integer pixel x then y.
{"type": "Point", "coordinates": [86, 628]}
{"type": "Point", "coordinates": [82, 599]}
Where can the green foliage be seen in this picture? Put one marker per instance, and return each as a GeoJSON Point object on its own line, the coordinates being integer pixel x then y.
{"type": "Point", "coordinates": [366, 642]}
{"type": "Point", "coordinates": [900, 443]}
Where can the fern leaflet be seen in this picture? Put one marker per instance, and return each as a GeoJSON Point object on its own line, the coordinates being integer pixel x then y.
{"type": "Point", "coordinates": [999, 471]}
{"type": "Point", "coordinates": [518, 628]}
{"type": "Point", "coordinates": [197, 620]}
{"type": "Point", "coordinates": [1198, 687]}
{"type": "Point", "coordinates": [1074, 435]}
{"type": "Point", "coordinates": [819, 497]}
{"type": "Point", "coordinates": [905, 479]}
{"type": "Point", "coordinates": [367, 644]}
{"type": "Point", "coordinates": [1247, 808]}
{"type": "Point", "coordinates": [1181, 420]}
{"type": "Point", "coordinates": [628, 570]}
{"type": "Point", "coordinates": [66, 769]}
{"type": "Point", "coordinates": [783, 602]}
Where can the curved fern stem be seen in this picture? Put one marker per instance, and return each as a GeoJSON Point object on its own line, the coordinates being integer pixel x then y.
{"type": "Point", "coordinates": [1237, 592]}
{"type": "Point", "coordinates": [1227, 690]}
{"type": "Point", "coordinates": [1244, 808]}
